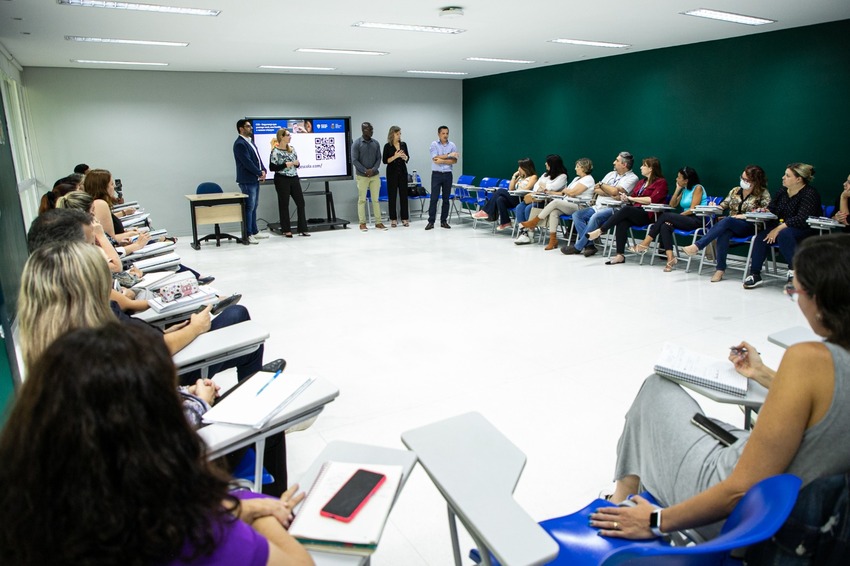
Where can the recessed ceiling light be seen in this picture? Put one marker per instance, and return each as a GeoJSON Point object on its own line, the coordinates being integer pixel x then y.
{"type": "Point", "coordinates": [451, 12]}
{"type": "Point", "coordinates": [339, 51]}
{"type": "Point", "coordinates": [125, 41]}
{"type": "Point", "coordinates": [494, 60]}
{"type": "Point", "coordinates": [140, 7]}
{"type": "Point", "coordinates": [93, 62]}
{"type": "Point", "coordinates": [406, 27]}
{"type": "Point", "coordinates": [438, 72]}
{"type": "Point", "coordinates": [728, 17]}
{"type": "Point", "coordinates": [287, 67]}
{"type": "Point", "coordinates": [589, 43]}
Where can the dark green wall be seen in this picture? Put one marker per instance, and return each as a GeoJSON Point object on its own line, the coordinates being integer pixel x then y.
{"type": "Point", "coordinates": [767, 99]}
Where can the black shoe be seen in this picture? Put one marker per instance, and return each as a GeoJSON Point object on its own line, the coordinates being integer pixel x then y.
{"type": "Point", "coordinates": [429, 226]}
{"type": "Point", "coordinates": [231, 300]}
{"type": "Point", "coordinates": [569, 250]}
{"type": "Point", "coordinates": [275, 365]}
{"type": "Point", "coordinates": [752, 281]}
{"type": "Point", "coordinates": [206, 280]}
{"type": "Point", "coordinates": [589, 251]}
{"type": "Point", "coordinates": [445, 225]}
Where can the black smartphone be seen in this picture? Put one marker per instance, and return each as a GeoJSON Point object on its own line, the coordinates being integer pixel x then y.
{"type": "Point", "coordinates": [722, 435]}
{"type": "Point", "coordinates": [353, 495]}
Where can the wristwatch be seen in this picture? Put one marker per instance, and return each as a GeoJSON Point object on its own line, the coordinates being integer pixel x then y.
{"type": "Point", "coordinates": [655, 523]}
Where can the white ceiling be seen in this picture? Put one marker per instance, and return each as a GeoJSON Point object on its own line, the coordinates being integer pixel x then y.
{"type": "Point", "coordinates": [250, 33]}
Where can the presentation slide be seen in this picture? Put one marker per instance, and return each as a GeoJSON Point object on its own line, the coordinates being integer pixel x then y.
{"type": "Point", "coordinates": [321, 144]}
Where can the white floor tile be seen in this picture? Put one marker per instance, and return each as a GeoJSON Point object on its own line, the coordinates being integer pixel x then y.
{"type": "Point", "coordinates": [416, 326]}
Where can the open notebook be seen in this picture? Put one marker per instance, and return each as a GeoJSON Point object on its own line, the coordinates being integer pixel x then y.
{"type": "Point", "coordinates": [255, 401]}
{"type": "Point", "coordinates": [680, 364]}
{"type": "Point", "coordinates": [360, 535]}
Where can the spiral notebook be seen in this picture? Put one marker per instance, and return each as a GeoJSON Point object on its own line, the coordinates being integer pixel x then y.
{"type": "Point", "coordinates": [361, 535]}
{"type": "Point", "coordinates": [680, 364]}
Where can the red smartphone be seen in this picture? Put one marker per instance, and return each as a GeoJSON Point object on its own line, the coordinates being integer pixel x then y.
{"type": "Point", "coordinates": [353, 495]}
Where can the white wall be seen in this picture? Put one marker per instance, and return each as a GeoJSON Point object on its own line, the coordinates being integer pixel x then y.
{"type": "Point", "coordinates": [162, 133]}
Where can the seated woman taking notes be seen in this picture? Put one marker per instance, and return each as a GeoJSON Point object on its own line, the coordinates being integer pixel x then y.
{"type": "Point", "coordinates": [697, 480]}
{"type": "Point", "coordinates": [119, 474]}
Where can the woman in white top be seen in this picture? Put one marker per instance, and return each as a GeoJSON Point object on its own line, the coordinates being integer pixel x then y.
{"type": "Point", "coordinates": [581, 187]}
{"type": "Point", "coordinates": [502, 201]}
{"type": "Point", "coordinates": [554, 179]}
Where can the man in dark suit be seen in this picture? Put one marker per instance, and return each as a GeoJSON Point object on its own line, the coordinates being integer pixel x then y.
{"type": "Point", "coordinates": [249, 172]}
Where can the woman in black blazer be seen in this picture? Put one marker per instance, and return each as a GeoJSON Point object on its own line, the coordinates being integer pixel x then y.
{"type": "Point", "coordinates": [395, 157]}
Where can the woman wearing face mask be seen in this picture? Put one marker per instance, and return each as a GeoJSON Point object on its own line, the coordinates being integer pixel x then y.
{"type": "Point", "coordinates": [750, 195]}
{"type": "Point", "coordinates": [793, 205]}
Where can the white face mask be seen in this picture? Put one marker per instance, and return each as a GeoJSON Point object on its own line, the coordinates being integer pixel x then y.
{"type": "Point", "coordinates": [745, 184]}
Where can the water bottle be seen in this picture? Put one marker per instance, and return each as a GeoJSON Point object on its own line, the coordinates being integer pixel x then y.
{"type": "Point", "coordinates": [416, 178]}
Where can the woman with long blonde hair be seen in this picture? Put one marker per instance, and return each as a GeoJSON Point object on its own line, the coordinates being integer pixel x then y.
{"type": "Point", "coordinates": [64, 285]}
{"type": "Point", "coordinates": [284, 162]}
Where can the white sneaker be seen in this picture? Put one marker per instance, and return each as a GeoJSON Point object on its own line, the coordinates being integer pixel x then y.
{"type": "Point", "coordinates": [523, 238]}
{"type": "Point", "coordinates": [261, 235]}
{"type": "Point", "coordinates": [253, 240]}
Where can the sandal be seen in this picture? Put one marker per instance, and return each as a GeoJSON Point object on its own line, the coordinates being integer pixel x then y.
{"type": "Point", "coordinates": [393, 224]}
{"type": "Point", "coordinates": [670, 265]}
{"type": "Point", "coordinates": [171, 239]}
{"type": "Point", "coordinates": [405, 223]}
{"type": "Point", "coordinates": [639, 249]}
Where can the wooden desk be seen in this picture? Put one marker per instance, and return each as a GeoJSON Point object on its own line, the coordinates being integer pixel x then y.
{"type": "Point", "coordinates": [215, 209]}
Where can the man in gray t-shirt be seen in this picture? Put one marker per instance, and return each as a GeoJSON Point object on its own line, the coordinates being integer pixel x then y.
{"type": "Point", "coordinates": [366, 158]}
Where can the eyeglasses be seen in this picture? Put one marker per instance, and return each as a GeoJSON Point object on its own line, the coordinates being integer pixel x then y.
{"type": "Point", "coordinates": [792, 292]}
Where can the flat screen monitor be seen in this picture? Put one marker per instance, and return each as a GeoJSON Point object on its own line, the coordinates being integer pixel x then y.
{"type": "Point", "coordinates": [323, 145]}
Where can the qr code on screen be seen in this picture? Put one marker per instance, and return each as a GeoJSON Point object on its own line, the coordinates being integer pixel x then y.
{"type": "Point", "coordinates": [325, 149]}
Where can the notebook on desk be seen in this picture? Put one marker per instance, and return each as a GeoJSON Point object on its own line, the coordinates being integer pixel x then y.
{"type": "Point", "coordinates": [359, 536]}
{"type": "Point", "coordinates": [680, 364]}
{"type": "Point", "coordinates": [258, 399]}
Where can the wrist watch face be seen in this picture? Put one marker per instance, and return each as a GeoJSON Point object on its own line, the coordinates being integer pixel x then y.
{"type": "Point", "coordinates": [655, 522]}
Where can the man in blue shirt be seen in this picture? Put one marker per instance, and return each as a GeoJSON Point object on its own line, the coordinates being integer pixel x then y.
{"type": "Point", "coordinates": [443, 155]}
{"type": "Point", "coordinates": [250, 171]}
{"type": "Point", "coordinates": [366, 158]}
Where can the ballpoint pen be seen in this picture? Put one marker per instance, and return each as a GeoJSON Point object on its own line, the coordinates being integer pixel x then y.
{"type": "Point", "coordinates": [277, 373]}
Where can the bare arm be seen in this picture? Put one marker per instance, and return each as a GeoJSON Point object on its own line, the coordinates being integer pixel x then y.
{"type": "Point", "coordinates": [578, 189]}
{"type": "Point", "coordinates": [799, 398]}
{"type": "Point", "coordinates": [126, 303]}
{"type": "Point", "coordinates": [284, 550]}
{"type": "Point", "coordinates": [177, 338]}
{"type": "Point", "coordinates": [104, 216]}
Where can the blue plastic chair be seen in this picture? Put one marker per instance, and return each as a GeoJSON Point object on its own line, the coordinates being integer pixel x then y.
{"type": "Point", "coordinates": [210, 188]}
{"type": "Point", "coordinates": [693, 234]}
{"type": "Point", "coordinates": [460, 193]}
{"type": "Point", "coordinates": [245, 469]}
{"type": "Point", "coordinates": [756, 517]}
